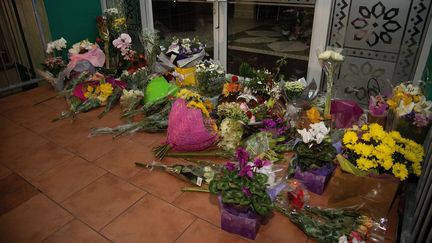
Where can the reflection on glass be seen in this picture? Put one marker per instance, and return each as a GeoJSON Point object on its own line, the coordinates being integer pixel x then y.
{"type": "Point", "coordinates": [184, 20]}
{"type": "Point", "coordinates": [262, 34]}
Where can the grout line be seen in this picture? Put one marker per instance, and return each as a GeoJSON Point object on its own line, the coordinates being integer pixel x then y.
{"type": "Point", "coordinates": [122, 212]}
{"type": "Point", "coordinates": [185, 229]}
{"type": "Point", "coordinates": [57, 230]}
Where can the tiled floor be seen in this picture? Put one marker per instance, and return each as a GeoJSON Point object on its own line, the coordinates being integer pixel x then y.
{"type": "Point", "coordinates": [59, 185]}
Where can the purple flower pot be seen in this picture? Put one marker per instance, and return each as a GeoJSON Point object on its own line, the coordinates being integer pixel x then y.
{"type": "Point", "coordinates": [239, 220]}
{"type": "Point", "coordinates": [315, 180]}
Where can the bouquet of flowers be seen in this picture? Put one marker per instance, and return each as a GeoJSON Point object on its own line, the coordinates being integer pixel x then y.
{"type": "Point", "coordinates": [231, 127]}
{"type": "Point", "coordinates": [190, 127]}
{"type": "Point", "coordinates": [54, 64]}
{"type": "Point", "coordinates": [84, 56]}
{"type": "Point", "coordinates": [330, 61]}
{"type": "Point", "coordinates": [87, 94]}
{"type": "Point", "coordinates": [211, 77]}
{"type": "Point", "coordinates": [371, 149]}
{"type": "Point", "coordinates": [325, 224]}
{"type": "Point", "coordinates": [409, 103]}
{"type": "Point", "coordinates": [260, 84]}
{"type": "Point", "coordinates": [195, 174]}
{"type": "Point", "coordinates": [130, 99]}
{"type": "Point", "coordinates": [243, 194]}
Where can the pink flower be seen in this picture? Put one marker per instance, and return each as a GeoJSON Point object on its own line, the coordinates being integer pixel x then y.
{"type": "Point", "coordinates": [230, 166]}
{"type": "Point", "coordinates": [246, 171]}
{"type": "Point", "coordinates": [123, 42]}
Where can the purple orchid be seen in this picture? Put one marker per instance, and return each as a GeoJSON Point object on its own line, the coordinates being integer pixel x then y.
{"type": "Point", "coordinates": [261, 163]}
{"type": "Point", "coordinates": [230, 166]}
{"type": "Point", "coordinates": [246, 192]}
{"type": "Point", "coordinates": [242, 156]}
{"type": "Point", "coordinates": [246, 171]}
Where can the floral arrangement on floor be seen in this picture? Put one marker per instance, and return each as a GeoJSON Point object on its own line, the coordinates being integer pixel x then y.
{"type": "Point", "coordinates": [54, 63]}
{"type": "Point", "coordinates": [371, 149]}
{"type": "Point", "coordinates": [210, 77]}
{"type": "Point", "coordinates": [409, 103]}
{"type": "Point", "coordinates": [294, 89]}
{"type": "Point", "coordinates": [242, 185]}
{"type": "Point", "coordinates": [315, 149]}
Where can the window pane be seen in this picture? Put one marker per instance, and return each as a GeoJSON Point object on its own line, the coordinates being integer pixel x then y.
{"type": "Point", "coordinates": [184, 20]}
{"type": "Point", "coordinates": [262, 34]}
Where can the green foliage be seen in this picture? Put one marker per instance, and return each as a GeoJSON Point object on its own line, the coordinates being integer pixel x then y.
{"type": "Point", "coordinates": [246, 70]}
{"type": "Point", "coordinates": [315, 156]}
{"type": "Point", "coordinates": [230, 185]}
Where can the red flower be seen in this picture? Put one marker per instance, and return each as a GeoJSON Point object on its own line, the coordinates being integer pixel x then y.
{"type": "Point", "coordinates": [98, 40]}
{"type": "Point", "coordinates": [234, 79]}
{"type": "Point", "coordinates": [296, 198]}
{"type": "Point", "coordinates": [141, 56]}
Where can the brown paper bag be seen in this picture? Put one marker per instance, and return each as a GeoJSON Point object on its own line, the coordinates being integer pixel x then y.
{"type": "Point", "coordinates": [372, 196]}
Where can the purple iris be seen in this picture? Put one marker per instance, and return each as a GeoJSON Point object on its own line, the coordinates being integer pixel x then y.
{"type": "Point", "coordinates": [230, 166]}
{"type": "Point", "coordinates": [246, 192]}
{"type": "Point", "coordinates": [246, 171]}
{"type": "Point", "coordinates": [242, 156]}
{"type": "Point", "coordinates": [260, 163]}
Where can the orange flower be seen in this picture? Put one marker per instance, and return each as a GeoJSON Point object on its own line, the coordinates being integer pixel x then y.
{"type": "Point", "coordinates": [230, 88]}
{"type": "Point", "coordinates": [313, 115]}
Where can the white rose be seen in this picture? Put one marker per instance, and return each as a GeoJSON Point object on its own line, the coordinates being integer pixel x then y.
{"type": "Point", "coordinates": [325, 55]}
{"type": "Point", "coordinates": [50, 48]}
{"type": "Point", "coordinates": [337, 56]}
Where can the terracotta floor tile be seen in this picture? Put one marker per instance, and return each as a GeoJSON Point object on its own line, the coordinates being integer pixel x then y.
{"type": "Point", "coordinates": [149, 139]}
{"type": "Point", "coordinates": [19, 145]}
{"type": "Point", "coordinates": [39, 160]}
{"type": "Point", "coordinates": [33, 220]}
{"type": "Point", "coordinates": [92, 148]}
{"type": "Point", "coordinates": [203, 205]}
{"type": "Point", "coordinates": [69, 132]}
{"type": "Point", "coordinates": [74, 232]}
{"type": "Point", "coordinates": [28, 113]}
{"type": "Point", "coordinates": [42, 92]}
{"type": "Point", "coordinates": [14, 190]}
{"type": "Point", "coordinates": [57, 103]}
{"type": "Point", "coordinates": [159, 183]}
{"type": "Point", "coordinates": [121, 161]}
{"type": "Point", "coordinates": [14, 101]}
{"type": "Point", "coordinates": [9, 128]}
{"type": "Point", "coordinates": [44, 122]}
{"type": "Point", "coordinates": [201, 231]}
{"type": "Point", "coordinates": [67, 178]}
{"type": "Point", "coordinates": [4, 171]}
{"type": "Point", "coordinates": [280, 229]}
{"type": "Point", "coordinates": [150, 220]}
{"type": "Point", "coordinates": [110, 119]}
{"type": "Point", "coordinates": [103, 200]}
{"type": "Point", "coordinates": [91, 115]}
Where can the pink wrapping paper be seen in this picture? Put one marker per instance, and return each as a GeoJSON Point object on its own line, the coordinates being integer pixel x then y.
{"type": "Point", "coordinates": [345, 113]}
{"type": "Point", "coordinates": [95, 56]}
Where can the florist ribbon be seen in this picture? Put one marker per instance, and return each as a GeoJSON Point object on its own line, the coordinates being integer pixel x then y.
{"type": "Point", "coordinates": [95, 56]}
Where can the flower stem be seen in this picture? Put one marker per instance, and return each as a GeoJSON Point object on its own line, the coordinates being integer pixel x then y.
{"type": "Point", "coordinates": [195, 189]}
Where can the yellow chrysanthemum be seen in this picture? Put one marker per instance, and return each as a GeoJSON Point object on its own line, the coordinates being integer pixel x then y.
{"type": "Point", "coordinates": [350, 137]}
{"type": "Point", "coordinates": [366, 137]}
{"type": "Point", "coordinates": [387, 163]}
{"type": "Point", "coordinates": [417, 168]}
{"type": "Point", "coordinates": [106, 89]}
{"type": "Point", "coordinates": [363, 149]}
{"type": "Point", "coordinates": [364, 127]}
{"type": "Point", "coordinates": [365, 164]}
{"type": "Point", "coordinates": [400, 171]}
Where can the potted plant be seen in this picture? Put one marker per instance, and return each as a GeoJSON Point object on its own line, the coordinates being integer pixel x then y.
{"type": "Point", "coordinates": [243, 193]}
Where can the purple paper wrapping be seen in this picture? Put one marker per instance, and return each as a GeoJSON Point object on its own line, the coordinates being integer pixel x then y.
{"type": "Point", "coordinates": [345, 112]}
{"type": "Point", "coordinates": [239, 220]}
{"type": "Point", "coordinates": [315, 180]}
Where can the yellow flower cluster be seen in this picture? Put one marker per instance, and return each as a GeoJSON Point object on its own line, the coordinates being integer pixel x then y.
{"type": "Point", "coordinates": [100, 92]}
{"type": "Point", "coordinates": [196, 101]}
{"type": "Point", "coordinates": [401, 95]}
{"type": "Point", "coordinates": [374, 148]}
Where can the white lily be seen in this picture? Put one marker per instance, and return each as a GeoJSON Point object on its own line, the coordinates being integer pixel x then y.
{"type": "Point", "coordinates": [402, 109]}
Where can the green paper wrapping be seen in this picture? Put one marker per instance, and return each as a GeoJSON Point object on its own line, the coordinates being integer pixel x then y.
{"type": "Point", "coordinates": [349, 167]}
{"type": "Point", "coordinates": [157, 89]}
